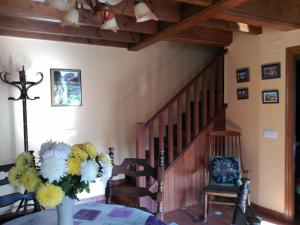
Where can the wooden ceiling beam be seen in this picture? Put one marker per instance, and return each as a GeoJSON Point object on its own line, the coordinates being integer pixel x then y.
{"type": "Point", "coordinates": [189, 22]}
{"type": "Point", "coordinates": [52, 37]}
{"type": "Point", "coordinates": [26, 25]}
{"type": "Point", "coordinates": [43, 12]}
{"type": "Point", "coordinates": [283, 15]}
{"type": "Point", "coordinates": [197, 2]}
{"type": "Point", "coordinates": [232, 26]}
{"type": "Point", "coordinates": [203, 36]}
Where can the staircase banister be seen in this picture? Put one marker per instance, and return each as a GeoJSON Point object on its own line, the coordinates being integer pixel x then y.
{"type": "Point", "coordinates": [172, 100]}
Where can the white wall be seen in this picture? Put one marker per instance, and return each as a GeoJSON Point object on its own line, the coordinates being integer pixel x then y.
{"type": "Point", "coordinates": [265, 156]}
{"type": "Point", "coordinates": [120, 88]}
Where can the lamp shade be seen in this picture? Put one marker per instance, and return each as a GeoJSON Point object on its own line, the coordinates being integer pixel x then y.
{"type": "Point", "coordinates": [143, 13]}
{"type": "Point", "coordinates": [62, 5]}
{"type": "Point", "coordinates": [110, 25]}
{"type": "Point", "coordinates": [111, 2]}
{"type": "Point", "coordinates": [71, 18]}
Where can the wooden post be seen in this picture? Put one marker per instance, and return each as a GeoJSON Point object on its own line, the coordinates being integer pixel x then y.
{"type": "Point", "coordinates": [141, 148]}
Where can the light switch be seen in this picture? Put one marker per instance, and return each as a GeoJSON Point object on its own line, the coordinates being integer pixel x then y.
{"type": "Point", "coordinates": [270, 134]}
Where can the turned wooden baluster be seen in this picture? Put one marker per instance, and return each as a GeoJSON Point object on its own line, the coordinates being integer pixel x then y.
{"type": "Point", "coordinates": [196, 108]}
{"type": "Point", "coordinates": [188, 116]}
{"type": "Point", "coordinates": [204, 100]}
{"type": "Point", "coordinates": [160, 195]}
{"type": "Point", "coordinates": [220, 83]}
{"type": "Point", "coordinates": [141, 148]}
{"type": "Point", "coordinates": [170, 135]}
{"type": "Point", "coordinates": [212, 92]}
{"type": "Point", "coordinates": [179, 124]}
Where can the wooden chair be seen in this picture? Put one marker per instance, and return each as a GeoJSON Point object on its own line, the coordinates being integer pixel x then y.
{"type": "Point", "coordinates": [224, 143]}
{"type": "Point", "coordinates": [9, 199]}
{"type": "Point", "coordinates": [128, 192]}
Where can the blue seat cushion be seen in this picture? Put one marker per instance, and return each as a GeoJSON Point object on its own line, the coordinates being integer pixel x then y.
{"type": "Point", "coordinates": [224, 171]}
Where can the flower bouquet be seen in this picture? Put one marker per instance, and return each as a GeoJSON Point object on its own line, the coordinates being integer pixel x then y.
{"type": "Point", "coordinates": [60, 174]}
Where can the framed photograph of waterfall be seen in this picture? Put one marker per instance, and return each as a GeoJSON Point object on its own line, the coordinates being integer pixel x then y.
{"type": "Point", "coordinates": [65, 87]}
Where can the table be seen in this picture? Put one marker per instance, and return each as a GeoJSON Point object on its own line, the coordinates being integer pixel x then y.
{"type": "Point", "coordinates": [92, 214]}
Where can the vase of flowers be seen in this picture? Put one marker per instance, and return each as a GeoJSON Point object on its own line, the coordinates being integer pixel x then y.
{"type": "Point", "coordinates": [60, 174]}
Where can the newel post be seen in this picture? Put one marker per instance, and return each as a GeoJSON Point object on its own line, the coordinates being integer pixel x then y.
{"type": "Point", "coordinates": [141, 148]}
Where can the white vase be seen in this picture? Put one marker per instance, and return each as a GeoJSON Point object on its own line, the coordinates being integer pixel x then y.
{"type": "Point", "coordinates": [65, 211]}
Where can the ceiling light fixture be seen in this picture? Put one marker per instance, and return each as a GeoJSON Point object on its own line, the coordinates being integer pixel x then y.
{"type": "Point", "coordinates": [103, 9]}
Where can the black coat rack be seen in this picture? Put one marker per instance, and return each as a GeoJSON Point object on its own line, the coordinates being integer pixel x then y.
{"type": "Point", "coordinates": [23, 86]}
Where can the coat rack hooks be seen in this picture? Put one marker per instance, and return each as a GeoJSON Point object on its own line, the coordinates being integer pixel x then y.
{"type": "Point", "coordinates": [23, 87]}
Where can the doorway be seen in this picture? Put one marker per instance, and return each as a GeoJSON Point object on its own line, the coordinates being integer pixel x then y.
{"type": "Point", "coordinates": [292, 68]}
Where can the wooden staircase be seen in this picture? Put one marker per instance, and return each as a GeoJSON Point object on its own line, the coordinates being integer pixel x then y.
{"type": "Point", "coordinates": [178, 129]}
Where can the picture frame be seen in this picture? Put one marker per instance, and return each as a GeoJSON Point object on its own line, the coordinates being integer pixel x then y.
{"type": "Point", "coordinates": [270, 71]}
{"type": "Point", "coordinates": [270, 96]}
{"type": "Point", "coordinates": [243, 75]}
{"type": "Point", "coordinates": [66, 87]}
{"type": "Point", "coordinates": [242, 93]}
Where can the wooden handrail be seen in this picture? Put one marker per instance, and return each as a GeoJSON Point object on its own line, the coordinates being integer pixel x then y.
{"type": "Point", "coordinates": [173, 100]}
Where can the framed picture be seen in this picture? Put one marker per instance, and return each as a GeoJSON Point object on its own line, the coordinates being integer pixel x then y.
{"type": "Point", "coordinates": [270, 71]}
{"type": "Point", "coordinates": [242, 93]}
{"type": "Point", "coordinates": [65, 87]}
{"type": "Point", "coordinates": [270, 96]}
{"type": "Point", "coordinates": [242, 75]}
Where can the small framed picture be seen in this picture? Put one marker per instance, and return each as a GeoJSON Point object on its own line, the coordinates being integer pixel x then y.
{"type": "Point", "coordinates": [242, 75]}
{"type": "Point", "coordinates": [270, 71]}
{"type": "Point", "coordinates": [270, 96]}
{"type": "Point", "coordinates": [65, 87]}
{"type": "Point", "coordinates": [242, 93]}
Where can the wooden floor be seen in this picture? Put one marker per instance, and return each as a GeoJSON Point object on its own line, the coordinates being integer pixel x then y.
{"type": "Point", "coordinates": [192, 216]}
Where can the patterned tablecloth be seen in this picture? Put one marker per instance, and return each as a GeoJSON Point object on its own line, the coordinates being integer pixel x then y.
{"type": "Point", "coordinates": [92, 214]}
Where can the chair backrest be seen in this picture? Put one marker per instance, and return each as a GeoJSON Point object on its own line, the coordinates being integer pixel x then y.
{"type": "Point", "coordinates": [9, 199]}
{"type": "Point", "coordinates": [225, 143]}
{"type": "Point", "coordinates": [135, 168]}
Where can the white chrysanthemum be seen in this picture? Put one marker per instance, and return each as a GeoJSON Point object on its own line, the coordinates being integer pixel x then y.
{"type": "Point", "coordinates": [89, 171]}
{"type": "Point", "coordinates": [106, 171]}
{"type": "Point", "coordinates": [53, 168]}
{"type": "Point", "coordinates": [53, 149]}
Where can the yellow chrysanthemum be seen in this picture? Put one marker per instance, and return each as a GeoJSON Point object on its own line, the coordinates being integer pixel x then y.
{"type": "Point", "coordinates": [90, 149]}
{"type": "Point", "coordinates": [74, 166]}
{"type": "Point", "coordinates": [24, 161]}
{"type": "Point", "coordinates": [31, 180]}
{"type": "Point", "coordinates": [13, 177]}
{"type": "Point", "coordinates": [49, 195]}
{"type": "Point", "coordinates": [77, 152]}
{"type": "Point", "coordinates": [104, 158]}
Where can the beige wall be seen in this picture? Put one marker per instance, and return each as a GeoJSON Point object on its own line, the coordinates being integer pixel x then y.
{"type": "Point", "coordinates": [265, 156]}
{"type": "Point", "coordinates": [120, 88]}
